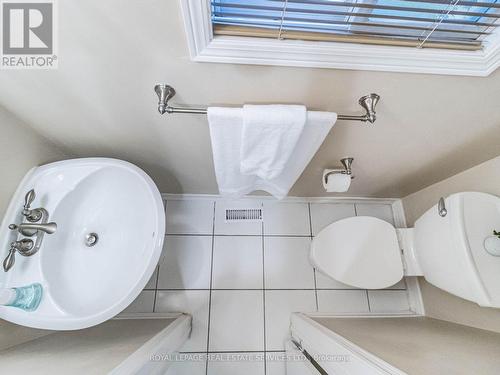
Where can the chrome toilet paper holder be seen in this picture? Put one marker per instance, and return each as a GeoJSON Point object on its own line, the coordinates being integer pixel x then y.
{"type": "Point", "coordinates": [347, 163]}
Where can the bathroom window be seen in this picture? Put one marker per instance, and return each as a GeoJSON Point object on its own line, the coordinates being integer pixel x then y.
{"type": "Point", "coordinates": [432, 36]}
{"type": "Point", "coordinates": [436, 24]}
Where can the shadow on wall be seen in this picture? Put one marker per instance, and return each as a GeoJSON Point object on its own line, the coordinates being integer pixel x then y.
{"type": "Point", "coordinates": [162, 177]}
{"type": "Point", "coordinates": [442, 305]}
{"type": "Point", "coordinates": [444, 166]}
{"type": "Point", "coordinates": [482, 177]}
{"type": "Point", "coordinates": [36, 150]}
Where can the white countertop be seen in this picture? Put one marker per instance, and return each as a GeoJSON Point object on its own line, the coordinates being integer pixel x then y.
{"type": "Point", "coordinates": [95, 350]}
{"type": "Point", "coordinates": [423, 346]}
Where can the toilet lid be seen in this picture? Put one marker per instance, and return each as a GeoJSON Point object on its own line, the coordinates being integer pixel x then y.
{"type": "Point", "coordinates": [360, 251]}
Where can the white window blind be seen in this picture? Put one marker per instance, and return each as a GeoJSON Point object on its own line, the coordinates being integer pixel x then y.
{"type": "Point", "coordinates": [417, 23]}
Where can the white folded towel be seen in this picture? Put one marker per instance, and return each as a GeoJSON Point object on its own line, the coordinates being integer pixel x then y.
{"type": "Point", "coordinates": [226, 125]}
{"type": "Point", "coordinates": [270, 134]}
{"type": "Point", "coordinates": [226, 130]}
{"type": "Point", "coordinates": [318, 125]}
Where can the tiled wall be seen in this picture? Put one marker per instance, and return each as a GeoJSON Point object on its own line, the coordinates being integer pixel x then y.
{"type": "Point", "coordinates": [240, 281]}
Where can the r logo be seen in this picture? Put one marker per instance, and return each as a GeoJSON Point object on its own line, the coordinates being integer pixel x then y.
{"type": "Point", "coordinates": [27, 28]}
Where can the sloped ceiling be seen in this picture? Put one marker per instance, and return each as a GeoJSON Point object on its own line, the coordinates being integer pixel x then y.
{"type": "Point", "coordinates": [100, 102]}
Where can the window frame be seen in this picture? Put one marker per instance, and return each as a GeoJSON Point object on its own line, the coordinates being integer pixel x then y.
{"type": "Point", "coordinates": [205, 47]}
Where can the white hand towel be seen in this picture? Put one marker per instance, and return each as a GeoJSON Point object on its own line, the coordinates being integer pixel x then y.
{"type": "Point", "coordinates": [270, 134]}
{"type": "Point", "coordinates": [226, 129]}
{"type": "Point", "coordinates": [318, 125]}
{"type": "Point", "coordinates": [226, 125]}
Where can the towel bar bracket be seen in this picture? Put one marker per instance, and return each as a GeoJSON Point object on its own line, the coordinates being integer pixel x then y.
{"type": "Point", "coordinates": [166, 92]}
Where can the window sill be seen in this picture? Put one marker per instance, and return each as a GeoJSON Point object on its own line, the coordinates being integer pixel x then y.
{"type": "Point", "coordinates": [204, 47]}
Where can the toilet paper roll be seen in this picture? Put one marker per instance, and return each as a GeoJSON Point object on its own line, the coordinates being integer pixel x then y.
{"type": "Point", "coordinates": [338, 183]}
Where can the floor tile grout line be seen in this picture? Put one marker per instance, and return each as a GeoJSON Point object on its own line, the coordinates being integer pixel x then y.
{"type": "Point", "coordinates": [188, 234]}
{"type": "Point", "coordinates": [310, 220]}
{"type": "Point", "coordinates": [368, 300]}
{"type": "Point", "coordinates": [165, 202]}
{"type": "Point", "coordinates": [373, 290]}
{"type": "Point", "coordinates": [237, 235]}
{"type": "Point", "coordinates": [245, 289]}
{"type": "Point", "coordinates": [156, 285]}
{"type": "Point", "coordinates": [210, 293]}
{"type": "Point", "coordinates": [269, 289]}
{"type": "Point", "coordinates": [238, 352]}
{"type": "Point", "coordinates": [241, 351]}
{"type": "Point", "coordinates": [264, 295]}
{"type": "Point", "coordinates": [315, 290]}
{"type": "Point", "coordinates": [314, 269]}
{"type": "Point", "coordinates": [288, 235]}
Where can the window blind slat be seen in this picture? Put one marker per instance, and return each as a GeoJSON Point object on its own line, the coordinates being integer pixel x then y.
{"type": "Point", "coordinates": [351, 4]}
{"type": "Point", "coordinates": [343, 22]}
{"type": "Point", "coordinates": [368, 33]}
{"type": "Point", "coordinates": [353, 14]}
{"type": "Point", "coordinates": [439, 21]}
{"type": "Point", "coordinates": [256, 31]}
{"type": "Point", "coordinates": [478, 4]}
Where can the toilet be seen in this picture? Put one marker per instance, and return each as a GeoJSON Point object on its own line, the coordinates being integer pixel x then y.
{"type": "Point", "coordinates": [452, 245]}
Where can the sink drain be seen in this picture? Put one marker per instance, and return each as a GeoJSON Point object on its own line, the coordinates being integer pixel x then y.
{"type": "Point", "coordinates": [91, 239]}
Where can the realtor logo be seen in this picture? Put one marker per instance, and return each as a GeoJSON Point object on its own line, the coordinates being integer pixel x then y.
{"type": "Point", "coordinates": [28, 40]}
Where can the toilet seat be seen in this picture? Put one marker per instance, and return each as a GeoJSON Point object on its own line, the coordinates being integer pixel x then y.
{"type": "Point", "coordinates": [360, 251]}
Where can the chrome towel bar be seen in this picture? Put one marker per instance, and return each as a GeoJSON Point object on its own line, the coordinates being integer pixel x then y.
{"type": "Point", "coordinates": [166, 92]}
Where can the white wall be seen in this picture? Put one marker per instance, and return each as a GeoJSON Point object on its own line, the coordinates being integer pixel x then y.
{"type": "Point", "coordinates": [484, 177]}
{"type": "Point", "coordinates": [21, 149]}
{"type": "Point", "coordinates": [100, 102]}
{"type": "Point", "coordinates": [438, 304]}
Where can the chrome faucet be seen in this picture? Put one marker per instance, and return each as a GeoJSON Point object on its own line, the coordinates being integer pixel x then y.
{"type": "Point", "coordinates": [36, 225]}
{"type": "Point", "coordinates": [30, 229]}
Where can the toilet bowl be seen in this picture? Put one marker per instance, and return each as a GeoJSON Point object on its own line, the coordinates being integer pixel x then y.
{"type": "Point", "coordinates": [451, 249]}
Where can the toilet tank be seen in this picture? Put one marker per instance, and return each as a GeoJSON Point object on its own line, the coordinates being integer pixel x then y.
{"type": "Point", "coordinates": [451, 249]}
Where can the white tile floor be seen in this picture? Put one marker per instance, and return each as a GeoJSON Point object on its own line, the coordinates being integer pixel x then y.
{"type": "Point", "coordinates": [194, 302]}
{"type": "Point", "coordinates": [279, 305]}
{"type": "Point", "coordinates": [240, 281]}
{"type": "Point", "coordinates": [237, 262]}
{"type": "Point", "coordinates": [236, 321]}
{"type": "Point", "coordinates": [186, 262]}
{"type": "Point", "coordinates": [236, 363]}
{"type": "Point", "coordinates": [286, 263]}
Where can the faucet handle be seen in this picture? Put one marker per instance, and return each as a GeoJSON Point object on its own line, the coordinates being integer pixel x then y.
{"type": "Point", "coordinates": [30, 229]}
{"type": "Point", "coordinates": [35, 215]}
{"type": "Point", "coordinates": [442, 211]}
{"type": "Point", "coordinates": [9, 261]}
{"type": "Point", "coordinates": [28, 199]}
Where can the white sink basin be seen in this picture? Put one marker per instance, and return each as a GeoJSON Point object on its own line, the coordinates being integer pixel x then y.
{"type": "Point", "coordinates": [84, 286]}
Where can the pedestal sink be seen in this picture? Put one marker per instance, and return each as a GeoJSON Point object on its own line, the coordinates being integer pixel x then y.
{"type": "Point", "coordinates": [110, 229]}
